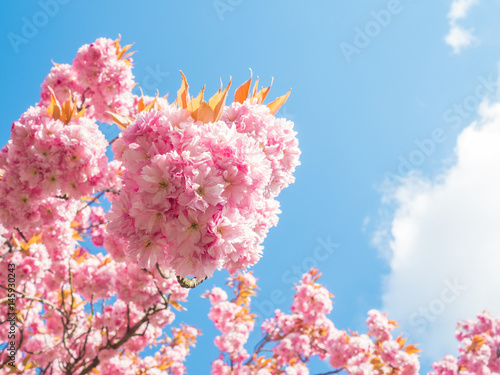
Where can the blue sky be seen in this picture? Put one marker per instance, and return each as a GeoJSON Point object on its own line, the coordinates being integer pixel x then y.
{"type": "Point", "coordinates": [360, 119]}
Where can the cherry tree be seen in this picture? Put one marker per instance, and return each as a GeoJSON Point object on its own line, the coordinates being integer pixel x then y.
{"type": "Point", "coordinates": [193, 188]}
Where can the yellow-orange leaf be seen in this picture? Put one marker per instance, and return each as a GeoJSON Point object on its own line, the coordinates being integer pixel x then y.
{"type": "Point", "coordinates": [255, 87]}
{"type": "Point", "coordinates": [26, 359]}
{"type": "Point", "coordinates": [477, 342]}
{"type": "Point", "coordinates": [140, 104]}
{"type": "Point", "coordinates": [16, 242]}
{"type": "Point", "coordinates": [194, 104]}
{"type": "Point", "coordinates": [241, 93]}
{"type": "Point", "coordinates": [152, 105]}
{"type": "Point", "coordinates": [276, 104]}
{"type": "Point", "coordinates": [35, 239]}
{"type": "Point", "coordinates": [120, 120]}
{"type": "Point", "coordinates": [75, 305]}
{"type": "Point", "coordinates": [79, 253]}
{"type": "Point", "coordinates": [128, 55]}
{"type": "Point", "coordinates": [64, 113]}
{"type": "Point", "coordinates": [176, 305]}
{"type": "Point", "coordinates": [261, 95]}
{"type": "Point", "coordinates": [117, 42]}
{"type": "Point", "coordinates": [412, 349]}
{"type": "Point", "coordinates": [166, 365]}
{"type": "Point", "coordinates": [76, 236]}
{"type": "Point", "coordinates": [401, 341]}
{"type": "Point", "coordinates": [217, 102]}
{"type": "Point", "coordinates": [182, 93]}
{"type": "Point", "coordinates": [121, 51]}
{"type": "Point", "coordinates": [54, 108]}
{"type": "Point", "coordinates": [204, 113]}
{"type": "Point", "coordinates": [20, 317]}
{"type": "Point", "coordinates": [106, 261]}
{"type": "Point", "coordinates": [376, 363]}
{"type": "Point", "coordinates": [393, 322]}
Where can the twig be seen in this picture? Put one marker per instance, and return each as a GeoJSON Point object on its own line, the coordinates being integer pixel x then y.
{"type": "Point", "coordinates": [160, 271]}
{"type": "Point", "coordinates": [92, 201]}
{"type": "Point", "coordinates": [21, 234]}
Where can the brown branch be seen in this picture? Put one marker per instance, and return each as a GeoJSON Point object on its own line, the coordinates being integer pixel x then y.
{"type": "Point", "coordinates": [21, 234]}
{"type": "Point", "coordinates": [160, 271]}
{"type": "Point", "coordinates": [92, 201]}
{"type": "Point", "coordinates": [36, 299]}
{"type": "Point", "coordinates": [258, 348]}
{"type": "Point", "coordinates": [102, 191]}
{"type": "Point", "coordinates": [128, 335]}
{"type": "Point", "coordinates": [332, 372]}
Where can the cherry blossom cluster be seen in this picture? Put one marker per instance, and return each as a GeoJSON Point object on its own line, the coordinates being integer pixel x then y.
{"type": "Point", "coordinates": [198, 192]}
{"type": "Point", "coordinates": [275, 136]}
{"type": "Point", "coordinates": [53, 155]}
{"type": "Point", "coordinates": [96, 224]}
{"type": "Point", "coordinates": [479, 349]}
{"type": "Point", "coordinates": [232, 317]}
{"type": "Point", "coordinates": [305, 333]}
{"type": "Point", "coordinates": [168, 360]}
{"type": "Point", "coordinates": [193, 189]}
{"type": "Point", "coordinates": [100, 77]}
{"type": "Point", "coordinates": [65, 324]}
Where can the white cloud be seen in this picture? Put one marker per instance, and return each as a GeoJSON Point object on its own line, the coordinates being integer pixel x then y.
{"type": "Point", "coordinates": [444, 241]}
{"type": "Point", "coordinates": [459, 8]}
{"type": "Point", "coordinates": [458, 37]}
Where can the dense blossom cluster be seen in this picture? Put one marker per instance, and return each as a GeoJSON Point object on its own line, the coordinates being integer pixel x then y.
{"type": "Point", "coordinates": [193, 187]}
{"type": "Point", "coordinates": [199, 196]}
{"type": "Point", "coordinates": [479, 349]}
{"type": "Point", "coordinates": [305, 333]}
{"type": "Point", "coordinates": [59, 321]}
{"type": "Point", "coordinates": [48, 158]}
{"type": "Point", "coordinates": [233, 317]}
{"type": "Point", "coordinates": [274, 135]}
{"type": "Point", "coordinates": [100, 77]}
